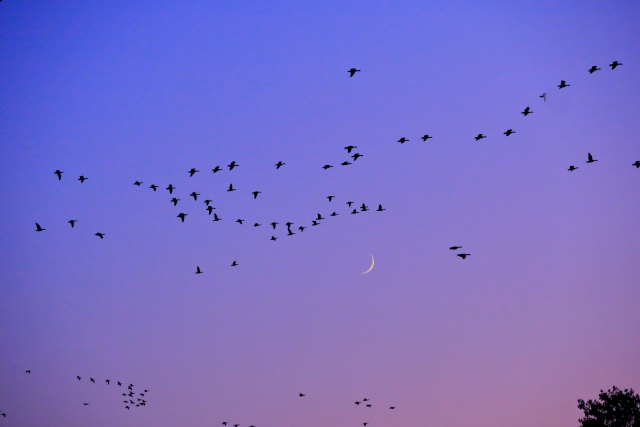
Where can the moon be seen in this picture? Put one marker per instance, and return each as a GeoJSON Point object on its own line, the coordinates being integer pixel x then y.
{"type": "Point", "coordinates": [373, 261]}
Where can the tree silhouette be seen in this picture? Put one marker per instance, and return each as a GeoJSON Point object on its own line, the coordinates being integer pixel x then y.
{"type": "Point", "coordinates": [614, 408]}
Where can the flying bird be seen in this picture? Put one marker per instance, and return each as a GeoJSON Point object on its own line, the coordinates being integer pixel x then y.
{"type": "Point", "coordinates": [636, 164]}
{"type": "Point", "coordinates": [425, 137]}
{"type": "Point", "coordinates": [78, 377]}
{"type": "Point", "coordinates": [353, 212]}
{"type": "Point", "coordinates": [509, 132]}
{"type": "Point", "coordinates": [224, 423]}
{"type": "Point", "coordinates": [563, 84]}
{"type": "Point", "coordinates": [198, 271]}
{"type": "Point", "coordinates": [138, 183]}
{"type": "Point", "coordinates": [289, 224]}
{"type": "Point", "coordinates": [279, 164]}
{"type": "Point", "coordinates": [614, 64]}
{"type": "Point", "coordinates": [192, 172]}
{"type": "Point", "coordinates": [240, 221]}
{"type": "Point", "coordinates": [319, 218]}
{"type": "Point", "coordinates": [350, 147]}
{"type": "Point", "coordinates": [325, 167]}
{"type": "Point", "coordinates": [82, 178]}
{"type": "Point", "coordinates": [572, 168]}
{"type": "Point", "coordinates": [479, 137]}
{"type": "Point", "coordinates": [174, 201]}
{"type": "Point", "coordinates": [301, 228]}
{"type": "Point", "coordinates": [92, 380]}
{"type": "Point", "coordinates": [357, 403]}
{"type": "Point", "coordinates": [352, 72]}
{"type": "Point", "coordinates": [59, 173]}
{"type": "Point", "coordinates": [356, 156]}
{"type": "Point", "coordinates": [206, 202]}
{"type": "Point", "coordinates": [273, 224]}
{"type": "Point", "coordinates": [544, 96]}
{"type": "Point", "coordinates": [368, 405]}
{"type": "Point", "coordinates": [107, 381]}
{"type": "Point", "coordinates": [194, 195]}
{"type": "Point", "coordinates": [289, 232]}
{"type": "Point", "coordinates": [392, 407]}
{"type": "Point", "coordinates": [255, 194]}
{"type": "Point", "coordinates": [463, 256]}
{"type": "Point", "coordinates": [527, 111]}
{"type": "Point", "coordinates": [591, 159]}
{"type": "Point", "coordinates": [256, 225]}
{"type": "Point", "coordinates": [170, 188]}
{"type": "Point", "coordinates": [403, 140]}
{"type": "Point", "coordinates": [210, 209]}
{"type": "Point", "coordinates": [330, 197]}
{"type": "Point", "coordinates": [593, 69]}
{"type": "Point", "coordinates": [119, 383]}
{"type": "Point", "coordinates": [215, 217]}
{"type": "Point", "coordinates": [38, 228]}
{"type": "Point", "coordinates": [233, 264]}
{"type": "Point", "coordinates": [231, 188]}
{"type": "Point", "coordinates": [455, 248]}
{"type": "Point", "coordinates": [301, 395]}
{"type": "Point", "coordinates": [274, 238]}
{"type": "Point", "coordinates": [333, 214]}
{"type": "Point", "coordinates": [85, 404]}
{"type": "Point", "coordinates": [216, 169]}
{"type": "Point", "coordinates": [28, 371]}
{"type": "Point", "coordinates": [153, 187]}
{"type": "Point", "coordinates": [345, 163]}
{"type": "Point", "coordinates": [364, 208]}
{"type": "Point", "coordinates": [314, 223]}
{"type": "Point", "coordinates": [232, 165]}
{"type": "Point", "coordinates": [100, 235]}
{"type": "Point", "coordinates": [349, 203]}
{"type": "Point", "coordinates": [182, 216]}
{"type": "Point", "coordinates": [380, 209]}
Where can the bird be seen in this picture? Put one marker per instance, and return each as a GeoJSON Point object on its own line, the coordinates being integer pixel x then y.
{"type": "Point", "coordinates": [527, 111]}
{"type": "Point", "coordinates": [364, 208]}
{"type": "Point", "coordinates": [350, 147]}
{"type": "Point", "coordinates": [380, 209]}
{"type": "Point", "coordinates": [356, 156]}
{"type": "Point", "coordinates": [232, 165]}
{"type": "Point", "coordinates": [345, 163]}
{"type": "Point", "coordinates": [301, 228]}
{"type": "Point", "coordinates": [365, 424]}
{"type": "Point", "coordinates": [194, 195]}
{"type": "Point", "coordinates": [216, 169]}
{"type": "Point", "coordinates": [353, 212]}
{"type": "Point", "coordinates": [119, 383]}
{"type": "Point", "coordinates": [85, 404]}
{"type": "Point", "coordinates": [192, 172]}
{"type": "Point", "coordinates": [256, 225]}
{"type": "Point", "coordinates": [181, 216]}
{"type": "Point", "coordinates": [255, 194]}
{"type": "Point", "coordinates": [369, 406]}
{"type": "Point", "coordinates": [198, 271]}
{"type": "Point", "coordinates": [59, 173]}
{"type": "Point", "coordinates": [38, 228]}
{"type": "Point", "coordinates": [224, 423]}
{"type": "Point", "coordinates": [273, 224]}
{"type": "Point", "coordinates": [240, 221]}
{"type": "Point", "coordinates": [591, 159]}
{"type": "Point", "coordinates": [28, 371]}
{"type": "Point", "coordinates": [636, 164]}
{"type": "Point", "coordinates": [509, 132]}
{"type": "Point", "coordinates": [392, 407]}
{"type": "Point", "coordinates": [174, 201]}
{"type": "Point", "coordinates": [231, 188]}
{"type": "Point", "coordinates": [544, 96]}
{"type": "Point", "coordinates": [463, 256]}
{"type": "Point", "coordinates": [92, 380]}
{"type": "Point", "coordinates": [233, 264]}
{"type": "Point", "coordinates": [289, 232]}
{"type": "Point", "coordinates": [330, 197]}
{"type": "Point", "coordinates": [352, 71]}
{"type": "Point", "coordinates": [206, 202]}
{"type": "Point", "coordinates": [357, 403]}
{"type": "Point", "coordinates": [614, 64]}
{"type": "Point", "coordinates": [215, 217]}
{"type": "Point", "coordinates": [153, 187]}
{"type": "Point", "coordinates": [127, 407]}
{"type": "Point", "coordinates": [349, 203]}
{"type": "Point", "coordinates": [365, 400]}
{"type": "Point", "coordinates": [314, 223]}
{"type": "Point", "coordinates": [78, 377]}
{"type": "Point", "coordinates": [4, 415]}
{"type": "Point", "coordinates": [107, 381]}
{"type": "Point", "coordinates": [593, 69]}
{"type": "Point", "coordinates": [479, 137]}
{"type": "Point", "coordinates": [333, 214]}
{"type": "Point", "coordinates": [279, 164]}
{"type": "Point", "coordinates": [319, 218]}
{"type": "Point", "coordinates": [210, 209]}
{"type": "Point", "coordinates": [425, 137]}
{"type": "Point", "coordinates": [170, 188]}
{"type": "Point", "coordinates": [301, 395]}
{"type": "Point", "coordinates": [572, 168]}
{"type": "Point", "coordinates": [455, 248]}
{"type": "Point", "coordinates": [403, 140]}
{"type": "Point", "coordinates": [563, 84]}
{"type": "Point", "coordinates": [325, 167]}
{"type": "Point", "coordinates": [100, 235]}
{"type": "Point", "coordinates": [289, 224]}
{"type": "Point", "coordinates": [138, 183]}
{"type": "Point", "coordinates": [82, 178]}
{"type": "Point", "coordinates": [274, 238]}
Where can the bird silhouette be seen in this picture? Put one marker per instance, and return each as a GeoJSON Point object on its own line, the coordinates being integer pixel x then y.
{"type": "Point", "coordinates": [368, 406]}
{"type": "Point", "coordinates": [215, 217]}
{"type": "Point", "coordinates": [38, 228]}
{"type": "Point", "coordinates": [289, 232]}
{"type": "Point", "coordinates": [127, 407]}
{"type": "Point", "coordinates": [614, 64]}
{"type": "Point", "coordinates": [349, 203]}
{"type": "Point", "coordinates": [28, 371]}
{"type": "Point", "coordinates": [192, 172]}
{"type": "Point", "coordinates": [119, 383]}
{"type": "Point", "coordinates": [240, 221]}
{"type": "Point", "coordinates": [170, 188]}
{"type": "Point", "coordinates": [273, 224]}
{"type": "Point", "coordinates": [174, 201]}
{"type": "Point", "coordinates": [330, 197]}
{"type": "Point", "coordinates": [231, 188]}
{"type": "Point", "coordinates": [544, 97]}
{"type": "Point", "coordinates": [325, 167]}
{"type": "Point", "coordinates": [279, 164]}
{"type": "Point", "coordinates": [233, 264]}
{"type": "Point", "coordinates": [572, 168]}
{"type": "Point", "coordinates": [92, 380]}
{"type": "Point", "coordinates": [255, 194]}
{"type": "Point", "coordinates": [82, 178]}
{"type": "Point", "coordinates": [345, 163]}
{"type": "Point", "coordinates": [198, 271]}
{"type": "Point", "coordinates": [85, 404]}
{"type": "Point", "coordinates": [107, 381]}
{"type": "Point", "coordinates": [216, 169]}
{"type": "Point", "coordinates": [636, 164]}
{"type": "Point", "coordinates": [352, 71]}
{"type": "Point", "coordinates": [208, 201]}
{"type": "Point", "coordinates": [78, 377]}
{"type": "Point", "coordinates": [380, 209]}
{"type": "Point", "coordinates": [364, 208]}
{"type": "Point", "coordinates": [403, 140]}
{"type": "Point", "coordinates": [333, 214]}
{"type": "Point", "coordinates": [100, 235]}
{"type": "Point", "coordinates": [194, 195]}
{"type": "Point", "coordinates": [256, 225]}
{"type": "Point", "coordinates": [319, 218]}
{"type": "Point", "coordinates": [593, 69]}
{"type": "Point", "coordinates": [138, 183]}
{"type": "Point", "coordinates": [210, 209]}
{"type": "Point", "coordinates": [350, 147]}
{"type": "Point", "coordinates": [463, 256]}
{"type": "Point", "coordinates": [314, 223]}
{"type": "Point", "coordinates": [392, 407]}
{"type": "Point", "coordinates": [224, 423]}
{"type": "Point", "coordinates": [301, 228]}
{"type": "Point", "coordinates": [509, 132]}
{"type": "Point", "coordinates": [563, 84]}
{"type": "Point", "coordinates": [289, 224]}
{"type": "Point", "coordinates": [365, 424]}
{"type": "Point", "coordinates": [356, 156]}
{"type": "Point", "coordinates": [232, 165]}
{"type": "Point", "coordinates": [479, 137]}
{"type": "Point", "coordinates": [365, 400]}
{"type": "Point", "coordinates": [182, 216]}
{"type": "Point", "coordinates": [527, 111]}
{"type": "Point", "coordinates": [274, 238]}
{"type": "Point", "coordinates": [425, 137]}
{"type": "Point", "coordinates": [455, 248]}
{"type": "Point", "coordinates": [153, 187]}
{"type": "Point", "coordinates": [59, 173]}
{"type": "Point", "coordinates": [353, 212]}
{"type": "Point", "coordinates": [591, 159]}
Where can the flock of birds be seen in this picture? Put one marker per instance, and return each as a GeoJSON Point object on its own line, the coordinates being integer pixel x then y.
{"type": "Point", "coordinates": [140, 398]}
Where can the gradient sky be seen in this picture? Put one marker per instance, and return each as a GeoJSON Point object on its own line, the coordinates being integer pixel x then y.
{"type": "Point", "coordinates": [544, 311]}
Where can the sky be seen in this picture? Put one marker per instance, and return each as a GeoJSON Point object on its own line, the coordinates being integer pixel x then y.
{"type": "Point", "coordinates": [543, 312]}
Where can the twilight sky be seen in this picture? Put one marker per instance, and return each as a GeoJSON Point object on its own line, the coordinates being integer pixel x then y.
{"type": "Point", "coordinates": [543, 312]}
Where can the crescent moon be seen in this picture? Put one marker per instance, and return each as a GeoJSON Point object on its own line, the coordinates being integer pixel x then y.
{"type": "Point", "coordinates": [373, 261]}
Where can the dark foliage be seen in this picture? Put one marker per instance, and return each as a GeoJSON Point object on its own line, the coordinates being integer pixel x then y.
{"type": "Point", "coordinates": [614, 408]}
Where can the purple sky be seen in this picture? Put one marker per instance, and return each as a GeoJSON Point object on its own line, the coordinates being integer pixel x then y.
{"type": "Point", "coordinates": [543, 312]}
